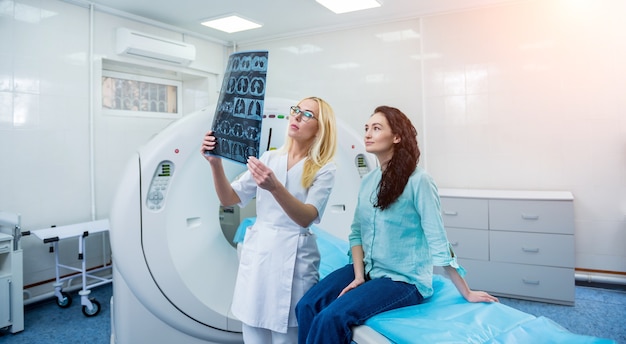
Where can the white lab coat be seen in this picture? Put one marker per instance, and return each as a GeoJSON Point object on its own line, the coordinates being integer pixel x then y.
{"type": "Point", "coordinates": [276, 249]}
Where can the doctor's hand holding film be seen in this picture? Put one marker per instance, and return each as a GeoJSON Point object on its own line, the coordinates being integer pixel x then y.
{"type": "Point", "coordinates": [208, 144]}
{"type": "Point", "coordinates": [224, 191]}
{"type": "Point", "coordinates": [263, 175]}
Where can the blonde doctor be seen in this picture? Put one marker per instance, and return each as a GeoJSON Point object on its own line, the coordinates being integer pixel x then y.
{"type": "Point", "coordinates": [280, 259]}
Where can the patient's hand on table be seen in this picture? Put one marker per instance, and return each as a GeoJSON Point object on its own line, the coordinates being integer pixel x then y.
{"type": "Point", "coordinates": [480, 296]}
{"type": "Point", "coordinates": [461, 285]}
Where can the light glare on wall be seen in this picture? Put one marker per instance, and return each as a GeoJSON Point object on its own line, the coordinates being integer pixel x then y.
{"type": "Point", "coordinates": [232, 23]}
{"type": "Point", "coordinates": [344, 6]}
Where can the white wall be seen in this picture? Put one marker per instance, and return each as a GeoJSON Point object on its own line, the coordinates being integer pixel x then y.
{"type": "Point", "coordinates": [46, 113]}
{"type": "Point", "coordinates": [354, 70]}
{"type": "Point", "coordinates": [525, 96]}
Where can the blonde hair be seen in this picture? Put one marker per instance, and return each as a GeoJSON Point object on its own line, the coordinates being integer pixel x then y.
{"type": "Point", "coordinates": [324, 146]}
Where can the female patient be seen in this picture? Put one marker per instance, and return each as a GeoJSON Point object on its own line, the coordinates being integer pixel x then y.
{"type": "Point", "coordinates": [280, 259]}
{"type": "Point", "coordinates": [396, 237]}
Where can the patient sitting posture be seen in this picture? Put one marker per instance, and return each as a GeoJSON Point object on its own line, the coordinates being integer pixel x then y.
{"type": "Point", "coordinates": [397, 235]}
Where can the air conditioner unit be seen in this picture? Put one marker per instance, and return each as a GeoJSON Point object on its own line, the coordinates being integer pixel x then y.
{"type": "Point", "coordinates": [138, 44]}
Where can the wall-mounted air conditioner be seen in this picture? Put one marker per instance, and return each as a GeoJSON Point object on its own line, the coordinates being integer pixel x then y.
{"type": "Point", "coordinates": [138, 44]}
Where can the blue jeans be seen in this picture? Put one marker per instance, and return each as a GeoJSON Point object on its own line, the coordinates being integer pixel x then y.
{"type": "Point", "coordinates": [324, 318]}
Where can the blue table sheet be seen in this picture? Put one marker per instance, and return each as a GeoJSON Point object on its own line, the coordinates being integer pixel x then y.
{"type": "Point", "coordinates": [447, 317]}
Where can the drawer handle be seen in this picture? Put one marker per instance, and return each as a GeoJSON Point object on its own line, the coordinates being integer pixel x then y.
{"type": "Point", "coordinates": [533, 282]}
{"type": "Point", "coordinates": [530, 250]}
{"type": "Point", "coordinates": [450, 213]}
{"type": "Point", "coordinates": [530, 217]}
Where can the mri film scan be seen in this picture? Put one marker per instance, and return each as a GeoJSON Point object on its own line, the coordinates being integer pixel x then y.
{"type": "Point", "coordinates": [237, 120]}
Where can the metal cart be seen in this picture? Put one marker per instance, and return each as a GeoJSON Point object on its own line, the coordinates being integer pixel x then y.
{"type": "Point", "coordinates": [91, 307]}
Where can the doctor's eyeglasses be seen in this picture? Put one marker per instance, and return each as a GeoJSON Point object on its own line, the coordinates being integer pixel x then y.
{"type": "Point", "coordinates": [306, 115]}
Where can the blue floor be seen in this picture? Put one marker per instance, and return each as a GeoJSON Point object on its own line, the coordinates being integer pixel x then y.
{"type": "Point", "coordinates": [598, 312]}
{"type": "Point", "coordinates": [47, 323]}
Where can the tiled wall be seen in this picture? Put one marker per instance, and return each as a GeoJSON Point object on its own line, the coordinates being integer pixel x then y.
{"type": "Point", "coordinates": [61, 157]}
{"type": "Point", "coordinates": [531, 96]}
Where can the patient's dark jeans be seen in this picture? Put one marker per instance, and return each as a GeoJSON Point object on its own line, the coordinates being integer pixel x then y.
{"type": "Point", "coordinates": [324, 318]}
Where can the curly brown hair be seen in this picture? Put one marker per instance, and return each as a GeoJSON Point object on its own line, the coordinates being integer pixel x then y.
{"type": "Point", "coordinates": [406, 154]}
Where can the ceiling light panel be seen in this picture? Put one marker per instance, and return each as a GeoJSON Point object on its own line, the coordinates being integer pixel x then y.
{"type": "Point", "coordinates": [232, 23]}
{"type": "Point", "coordinates": [345, 6]}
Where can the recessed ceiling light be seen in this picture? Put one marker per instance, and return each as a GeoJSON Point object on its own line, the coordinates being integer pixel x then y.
{"type": "Point", "coordinates": [344, 6]}
{"type": "Point", "coordinates": [231, 23]}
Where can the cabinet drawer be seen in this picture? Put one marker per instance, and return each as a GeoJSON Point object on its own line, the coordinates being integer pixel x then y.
{"type": "Point", "coordinates": [532, 248]}
{"type": "Point", "coordinates": [469, 243]}
{"type": "Point", "coordinates": [521, 280]}
{"type": "Point", "coordinates": [464, 212]}
{"type": "Point", "coordinates": [532, 216]}
{"type": "Point", "coordinates": [5, 246]}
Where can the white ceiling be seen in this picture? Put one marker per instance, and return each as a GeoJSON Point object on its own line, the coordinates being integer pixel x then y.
{"type": "Point", "coordinates": [279, 17]}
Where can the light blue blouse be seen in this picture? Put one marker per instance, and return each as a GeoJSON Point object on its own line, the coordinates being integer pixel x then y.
{"type": "Point", "coordinates": [404, 241]}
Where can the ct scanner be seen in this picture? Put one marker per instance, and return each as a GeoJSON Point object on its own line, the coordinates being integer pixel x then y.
{"type": "Point", "coordinates": [174, 268]}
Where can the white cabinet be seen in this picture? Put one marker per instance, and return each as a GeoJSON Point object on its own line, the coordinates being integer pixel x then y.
{"type": "Point", "coordinates": [11, 298]}
{"type": "Point", "coordinates": [514, 243]}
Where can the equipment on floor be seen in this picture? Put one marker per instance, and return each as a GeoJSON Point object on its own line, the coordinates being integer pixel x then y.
{"type": "Point", "coordinates": [90, 306]}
